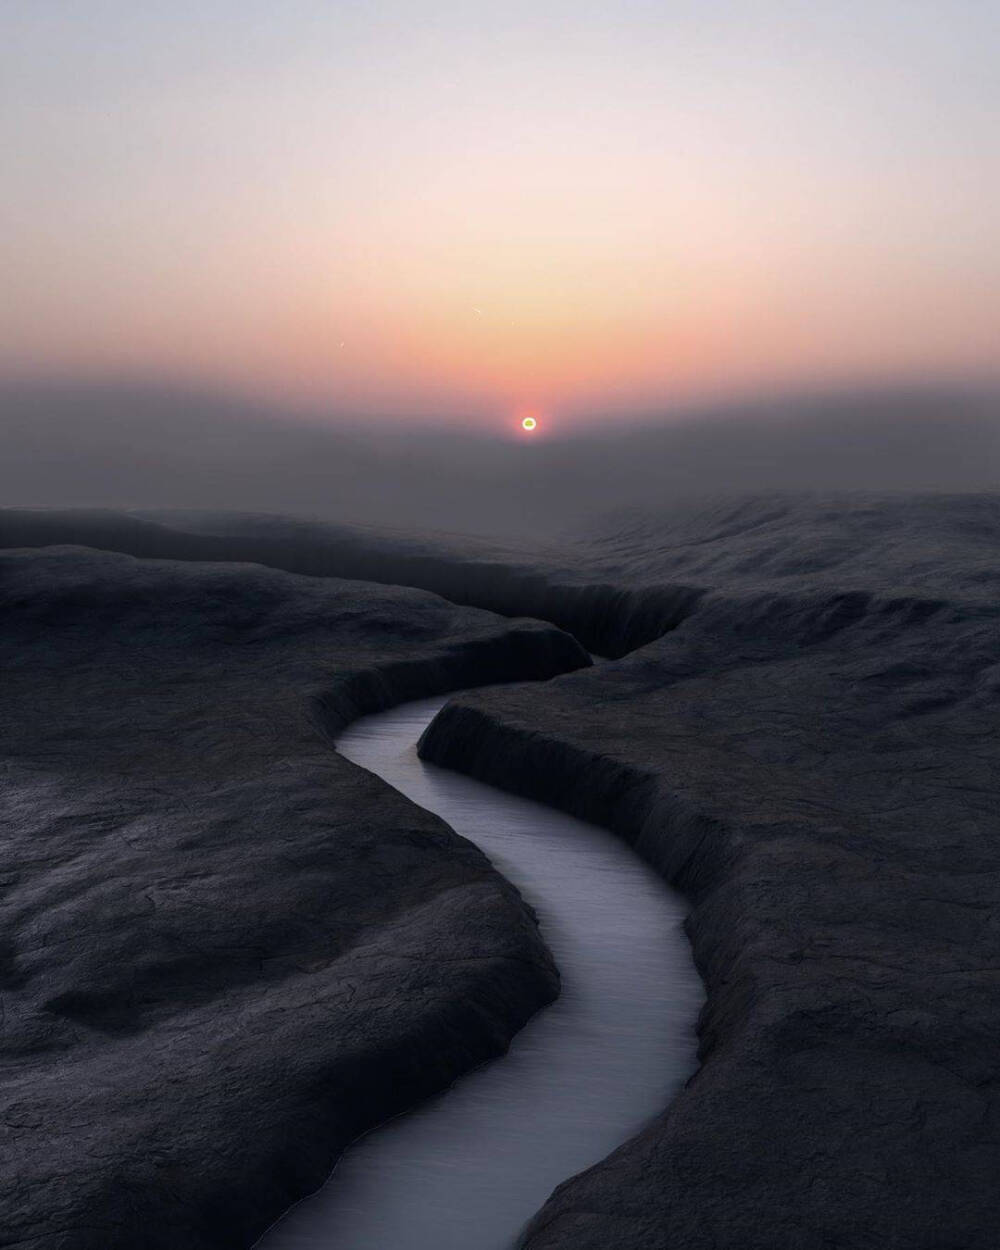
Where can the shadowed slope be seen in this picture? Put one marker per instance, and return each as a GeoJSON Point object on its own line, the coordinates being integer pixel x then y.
{"type": "Point", "coordinates": [811, 756]}
{"type": "Point", "coordinates": [605, 615]}
{"type": "Point", "coordinates": [629, 578]}
{"type": "Point", "coordinates": [227, 951]}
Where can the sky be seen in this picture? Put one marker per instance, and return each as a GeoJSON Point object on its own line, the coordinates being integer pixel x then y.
{"type": "Point", "coordinates": [472, 211]}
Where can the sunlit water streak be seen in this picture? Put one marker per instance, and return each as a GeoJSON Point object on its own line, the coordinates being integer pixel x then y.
{"type": "Point", "coordinates": [466, 1170]}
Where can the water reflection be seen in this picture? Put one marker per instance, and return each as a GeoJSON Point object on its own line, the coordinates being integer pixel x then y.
{"type": "Point", "coordinates": [468, 1169]}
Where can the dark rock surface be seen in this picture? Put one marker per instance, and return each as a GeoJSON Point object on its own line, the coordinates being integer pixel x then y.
{"type": "Point", "coordinates": [813, 756]}
{"type": "Point", "coordinates": [561, 584]}
{"type": "Point", "coordinates": [629, 580]}
{"type": "Point", "coordinates": [226, 951]}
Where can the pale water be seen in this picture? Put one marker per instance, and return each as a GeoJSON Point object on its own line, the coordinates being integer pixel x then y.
{"type": "Point", "coordinates": [468, 1169]}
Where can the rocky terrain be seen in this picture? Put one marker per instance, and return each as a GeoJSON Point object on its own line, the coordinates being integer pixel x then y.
{"type": "Point", "coordinates": [811, 756]}
{"type": "Point", "coordinates": [562, 583]}
{"type": "Point", "coordinates": [798, 727]}
{"type": "Point", "coordinates": [226, 951]}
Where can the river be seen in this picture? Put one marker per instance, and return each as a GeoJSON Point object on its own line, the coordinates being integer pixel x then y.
{"type": "Point", "coordinates": [467, 1170]}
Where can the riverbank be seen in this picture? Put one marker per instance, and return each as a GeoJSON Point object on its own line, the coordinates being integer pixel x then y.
{"type": "Point", "coordinates": [227, 950]}
{"type": "Point", "coordinates": [798, 730]}
{"type": "Point", "coordinates": [811, 758]}
{"type": "Point", "coordinates": [466, 1171]}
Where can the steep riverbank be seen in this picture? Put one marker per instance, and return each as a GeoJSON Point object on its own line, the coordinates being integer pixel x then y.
{"type": "Point", "coordinates": [468, 1170]}
{"type": "Point", "coordinates": [819, 775]}
{"type": "Point", "coordinates": [800, 733]}
{"type": "Point", "coordinates": [227, 950]}
{"type": "Point", "coordinates": [606, 614]}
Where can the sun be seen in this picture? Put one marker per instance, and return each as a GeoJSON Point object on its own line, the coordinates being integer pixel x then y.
{"type": "Point", "coordinates": [529, 424]}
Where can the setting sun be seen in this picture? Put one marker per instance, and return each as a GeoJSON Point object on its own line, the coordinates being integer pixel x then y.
{"type": "Point", "coordinates": [529, 423]}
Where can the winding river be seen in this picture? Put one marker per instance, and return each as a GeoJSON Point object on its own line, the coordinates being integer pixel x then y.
{"type": "Point", "coordinates": [468, 1169]}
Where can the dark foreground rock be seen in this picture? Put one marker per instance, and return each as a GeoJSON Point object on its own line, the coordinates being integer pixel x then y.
{"type": "Point", "coordinates": [813, 756]}
{"type": "Point", "coordinates": [226, 951]}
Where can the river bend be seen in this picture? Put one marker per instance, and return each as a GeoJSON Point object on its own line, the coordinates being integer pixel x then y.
{"type": "Point", "coordinates": [468, 1169]}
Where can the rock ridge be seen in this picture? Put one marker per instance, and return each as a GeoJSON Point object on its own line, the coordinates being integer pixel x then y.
{"type": "Point", "coordinates": [227, 950]}
{"type": "Point", "coordinates": [819, 775]}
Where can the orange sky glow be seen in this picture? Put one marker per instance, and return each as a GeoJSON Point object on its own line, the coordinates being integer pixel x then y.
{"type": "Point", "coordinates": [535, 207]}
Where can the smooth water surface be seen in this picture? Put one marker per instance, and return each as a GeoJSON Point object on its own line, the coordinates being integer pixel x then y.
{"type": "Point", "coordinates": [468, 1169]}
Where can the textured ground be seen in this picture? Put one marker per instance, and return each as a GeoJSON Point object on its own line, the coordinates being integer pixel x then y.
{"type": "Point", "coordinates": [226, 950]}
{"type": "Point", "coordinates": [811, 754]}
{"type": "Point", "coordinates": [812, 757]}
{"type": "Point", "coordinates": [571, 585]}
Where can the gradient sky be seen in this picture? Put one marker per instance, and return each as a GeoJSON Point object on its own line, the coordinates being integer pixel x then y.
{"type": "Point", "coordinates": [461, 209]}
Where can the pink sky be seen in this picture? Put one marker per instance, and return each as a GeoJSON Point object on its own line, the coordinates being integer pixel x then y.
{"type": "Point", "coordinates": [397, 209]}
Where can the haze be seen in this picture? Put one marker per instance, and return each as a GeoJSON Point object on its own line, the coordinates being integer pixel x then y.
{"type": "Point", "coordinates": [145, 448]}
{"type": "Point", "coordinates": [452, 211]}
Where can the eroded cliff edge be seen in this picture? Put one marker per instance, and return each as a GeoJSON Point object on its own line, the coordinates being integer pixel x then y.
{"type": "Point", "coordinates": [227, 950]}
{"type": "Point", "coordinates": [606, 613]}
{"type": "Point", "coordinates": [811, 756]}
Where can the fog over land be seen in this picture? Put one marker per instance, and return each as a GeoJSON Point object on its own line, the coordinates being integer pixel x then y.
{"type": "Point", "coordinates": [148, 447]}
